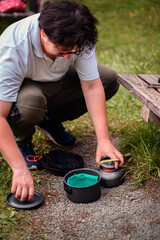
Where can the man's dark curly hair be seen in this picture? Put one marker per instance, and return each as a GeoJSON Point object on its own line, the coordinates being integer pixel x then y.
{"type": "Point", "coordinates": [69, 24]}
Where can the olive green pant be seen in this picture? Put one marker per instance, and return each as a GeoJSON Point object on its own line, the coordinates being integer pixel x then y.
{"type": "Point", "coordinates": [58, 101]}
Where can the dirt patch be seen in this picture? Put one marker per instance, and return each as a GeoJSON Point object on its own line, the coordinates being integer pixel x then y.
{"type": "Point", "coordinates": [153, 189]}
{"type": "Point", "coordinates": [120, 213]}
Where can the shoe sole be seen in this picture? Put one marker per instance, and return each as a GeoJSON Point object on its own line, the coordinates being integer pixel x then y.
{"type": "Point", "coordinates": [50, 137]}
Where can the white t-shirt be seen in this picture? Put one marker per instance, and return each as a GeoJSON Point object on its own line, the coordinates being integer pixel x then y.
{"type": "Point", "coordinates": [21, 56]}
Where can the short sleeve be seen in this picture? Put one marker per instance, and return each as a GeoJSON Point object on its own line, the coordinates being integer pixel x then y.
{"type": "Point", "coordinates": [86, 65]}
{"type": "Point", "coordinates": [11, 75]}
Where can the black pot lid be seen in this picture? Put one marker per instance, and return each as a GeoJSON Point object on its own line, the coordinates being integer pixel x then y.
{"type": "Point", "coordinates": [16, 203]}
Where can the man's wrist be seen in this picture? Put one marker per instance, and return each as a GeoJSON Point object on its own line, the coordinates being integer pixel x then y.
{"type": "Point", "coordinates": [103, 139]}
{"type": "Point", "coordinates": [21, 167]}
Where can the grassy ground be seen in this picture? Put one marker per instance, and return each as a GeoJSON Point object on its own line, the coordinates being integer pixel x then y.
{"type": "Point", "coordinates": [129, 40]}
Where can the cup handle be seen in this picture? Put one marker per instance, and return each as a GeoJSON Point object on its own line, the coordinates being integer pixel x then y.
{"type": "Point", "coordinates": [67, 189]}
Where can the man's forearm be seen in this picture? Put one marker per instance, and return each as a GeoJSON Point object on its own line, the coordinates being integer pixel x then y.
{"type": "Point", "coordinates": [8, 146]}
{"type": "Point", "coordinates": [95, 100]}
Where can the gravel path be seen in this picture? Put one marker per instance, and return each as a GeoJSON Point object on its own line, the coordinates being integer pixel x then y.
{"type": "Point", "coordinates": [120, 213]}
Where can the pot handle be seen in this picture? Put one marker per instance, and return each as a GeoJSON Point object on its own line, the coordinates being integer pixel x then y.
{"type": "Point", "coordinates": [67, 189]}
{"type": "Point", "coordinates": [109, 160]}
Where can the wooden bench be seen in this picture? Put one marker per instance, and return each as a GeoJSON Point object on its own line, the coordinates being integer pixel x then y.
{"type": "Point", "coordinates": [34, 6]}
{"type": "Point", "coordinates": [18, 15]}
{"type": "Point", "coordinates": [150, 97]}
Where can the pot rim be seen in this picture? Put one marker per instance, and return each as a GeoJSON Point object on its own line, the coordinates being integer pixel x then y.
{"type": "Point", "coordinates": [79, 171]}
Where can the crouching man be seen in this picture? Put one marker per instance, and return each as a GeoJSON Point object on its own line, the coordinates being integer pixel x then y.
{"type": "Point", "coordinates": [49, 74]}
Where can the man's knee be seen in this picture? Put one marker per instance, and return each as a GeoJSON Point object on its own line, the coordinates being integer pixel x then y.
{"type": "Point", "coordinates": [111, 89]}
{"type": "Point", "coordinates": [31, 105]}
{"type": "Point", "coordinates": [107, 74]}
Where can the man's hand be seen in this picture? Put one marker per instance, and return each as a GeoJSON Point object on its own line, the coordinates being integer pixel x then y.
{"type": "Point", "coordinates": [106, 148]}
{"type": "Point", "coordinates": [22, 184]}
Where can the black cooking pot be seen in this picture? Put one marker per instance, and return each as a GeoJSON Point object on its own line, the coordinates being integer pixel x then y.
{"type": "Point", "coordinates": [83, 194]}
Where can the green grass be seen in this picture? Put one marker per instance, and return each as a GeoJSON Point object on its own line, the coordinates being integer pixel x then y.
{"type": "Point", "coordinates": [142, 146]}
{"type": "Point", "coordinates": [129, 36]}
{"type": "Point", "coordinates": [129, 40]}
{"type": "Point", "coordinates": [139, 141]}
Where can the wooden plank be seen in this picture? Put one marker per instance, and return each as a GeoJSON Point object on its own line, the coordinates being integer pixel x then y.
{"type": "Point", "coordinates": [150, 79]}
{"type": "Point", "coordinates": [148, 96]}
{"type": "Point", "coordinates": [149, 116]}
{"type": "Point", "coordinates": [26, 13]}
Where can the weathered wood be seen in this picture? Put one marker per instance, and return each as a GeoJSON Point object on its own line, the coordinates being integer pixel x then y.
{"type": "Point", "coordinates": [148, 96]}
{"type": "Point", "coordinates": [149, 116]}
{"type": "Point", "coordinates": [150, 79]}
{"type": "Point", "coordinates": [19, 15]}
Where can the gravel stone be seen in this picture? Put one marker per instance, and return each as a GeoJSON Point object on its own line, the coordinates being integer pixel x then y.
{"type": "Point", "coordinates": [122, 213]}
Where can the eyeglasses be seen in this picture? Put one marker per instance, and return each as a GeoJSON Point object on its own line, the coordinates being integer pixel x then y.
{"type": "Point", "coordinates": [72, 52]}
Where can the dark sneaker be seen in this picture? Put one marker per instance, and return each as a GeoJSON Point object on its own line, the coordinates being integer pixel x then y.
{"type": "Point", "coordinates": [29, 155]}
{"type": "Point", "coordinates": [56, 133]}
